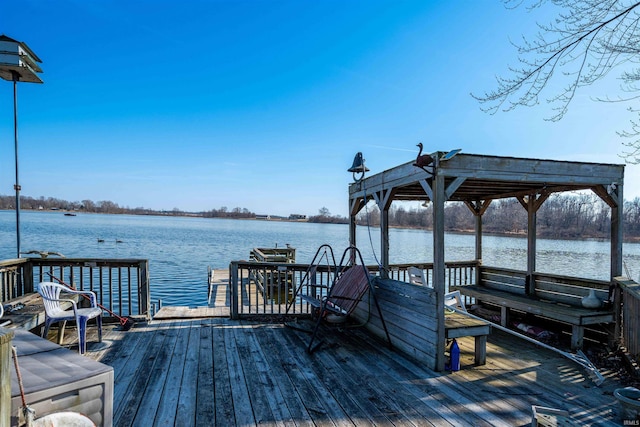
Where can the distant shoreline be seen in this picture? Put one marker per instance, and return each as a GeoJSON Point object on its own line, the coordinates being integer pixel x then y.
{"type": "Point", "coordinates": [518, 234]}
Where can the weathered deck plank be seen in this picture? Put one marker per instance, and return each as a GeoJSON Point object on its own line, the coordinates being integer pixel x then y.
{"type": "Point", "coordinates": [239, 391]}
{"type": "Point", "coordinates": [224, 411]}
{"type": "Point", "coordinates": [414, 390]}
{"type": "Point", "coordinates": [357, 387]}
{"type": "Point", "coordinates": [168, 404]}
{"type": "Point", "coordinates": [272, 356]}
{"type": "Point", "coordinates": [156, 380]}
{"type": "Point", "coordinates": [242, 373]}
{"type": "Point", "coordinates": [265, 388]}
{"type": "Point", "coordinates": [186, 410]}
{"type": "Point", "coordinates": [132, 386]}
{"type": "Point", "coordinates": [205, 403]}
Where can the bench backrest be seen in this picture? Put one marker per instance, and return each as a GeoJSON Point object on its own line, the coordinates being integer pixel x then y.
{"type": "Point", "coordinates": [503, 280]}
{"type": "Point", "coordinates": [561, 289]}
{"type": "Point", "coordinates": [569, 291]}
{"type": "Point", "coordinates": [349, 288]}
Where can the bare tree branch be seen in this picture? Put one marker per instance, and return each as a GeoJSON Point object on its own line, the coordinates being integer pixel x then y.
{"type": "Point", "coordinates": [586, 41]}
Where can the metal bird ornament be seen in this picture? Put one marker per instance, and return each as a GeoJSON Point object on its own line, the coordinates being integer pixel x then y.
{"type": "Point", "coordinates": [424, 160]}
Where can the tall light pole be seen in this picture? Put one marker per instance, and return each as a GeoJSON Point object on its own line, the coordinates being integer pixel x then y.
{"type": "Point", "coordinates": [18, 63]}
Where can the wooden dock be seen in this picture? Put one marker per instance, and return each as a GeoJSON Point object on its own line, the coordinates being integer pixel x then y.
{"type": "Point", "coordinates": [197, 367]}
{"type": "Point", "coordinates": [218, 306]}
{"type": "Point", "coordinates": [215, 371]}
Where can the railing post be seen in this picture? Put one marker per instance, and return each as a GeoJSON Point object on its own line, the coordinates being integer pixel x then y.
{"type": "Point", "coordinates": [144, 291]}
{"type": "Point", "coordinates": [233, 289]}
{"type": "Point", "coordinates": [27, 277]}
{"type": "Point", "coordinates": [6, 336]}
{"type": "Point", "coordinates": [626, 300]}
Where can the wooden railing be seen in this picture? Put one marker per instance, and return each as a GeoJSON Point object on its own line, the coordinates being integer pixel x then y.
{"type": "Point", "coordinates": [456, 273]}
{"type": "Point", "coordinates": [630, 314]}
{"type": "Point", "coordinates": [272, 288]}
{"type": "Point", "coordinates": [121, 285]}
{"type": "Point", "coordinates": [11, 284]}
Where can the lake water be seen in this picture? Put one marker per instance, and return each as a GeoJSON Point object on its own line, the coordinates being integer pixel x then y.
{"type": "Point", "coordinates": [179, 249]}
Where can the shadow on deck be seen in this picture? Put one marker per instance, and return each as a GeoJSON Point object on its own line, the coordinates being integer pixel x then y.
{"type": "Point", "coordinates": [216, 371]}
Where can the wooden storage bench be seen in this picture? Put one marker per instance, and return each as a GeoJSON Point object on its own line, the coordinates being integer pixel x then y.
{"type": "Point", "coordinates": [554, 297]}
{"type": "Point", "coordinates": [56, 379]}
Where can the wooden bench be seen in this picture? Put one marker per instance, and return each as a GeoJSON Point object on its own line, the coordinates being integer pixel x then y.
{"type": "Point", "coordinates": [28, 312]}
{"type": "Point", "coordinates": [412, 320]}
{"type": "Point", "coordinates": [458, 325]}
{"type": "Point", "coordinates": [554, 297]}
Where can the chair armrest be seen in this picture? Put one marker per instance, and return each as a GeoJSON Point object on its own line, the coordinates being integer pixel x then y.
{"type": "Point", "coordinates": [90, 294]}
{"type": "Point", "coordinates": [70, 301]}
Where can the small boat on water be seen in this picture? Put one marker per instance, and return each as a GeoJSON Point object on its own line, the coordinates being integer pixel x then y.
{"type": "Point", "coordinates": [69, 214]}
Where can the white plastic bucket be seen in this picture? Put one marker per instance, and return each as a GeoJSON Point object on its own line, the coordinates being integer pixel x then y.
{"type": "Point", "coordinates": [629, 400]}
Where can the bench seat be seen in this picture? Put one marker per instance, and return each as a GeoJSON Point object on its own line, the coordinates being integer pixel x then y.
{"type": "Point", "coordinates": [30, 316]}
{"type": "Point", "coordinates": [458, 325]}
{"type": "Point", "coordinates": [577, 317]}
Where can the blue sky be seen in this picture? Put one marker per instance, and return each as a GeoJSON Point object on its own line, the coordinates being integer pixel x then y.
{"type": "Point", "coordinates": [262, 104]}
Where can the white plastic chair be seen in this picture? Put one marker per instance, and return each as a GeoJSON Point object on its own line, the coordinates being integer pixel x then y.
{"type": "Point", "coordinates": [416, 276]}
{"type": "Point", "coordinates": [50, 293]}
{"type": "Point", "coordinates": [453, 300]}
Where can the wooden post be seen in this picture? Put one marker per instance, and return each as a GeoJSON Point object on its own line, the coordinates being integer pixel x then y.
{"type": "Point", "coordinates": [478, 276]}
{"type": "Point", "coordinates": [478, 237]}
{"type": "Point", "coordinates": [27, 277]}
{"type": "Point", "coordinates": [233, 289]}
{"type": "Point", "coordinates": [144, 288]}
{"type": "Point", "coordinates": [6, 336]}
{"type": "Point", "coordinates": [384, 243]}
{"type": "Point", "coordinates": [616, 256]}
{"type": "Point", "coordinates": [383, 200]}
{"type": "Point", "coordinates": [478, 208]}
{"type": "Point", "coordinates": [355, 205]}
{"type": "Point", "coordinates": [616, 232]}
{"type": "Point", "coordinates": [532, 216]}
{"type": "Point", "coordinates": [439, 267]}
{"type": "Point", "coordinates": [352, 228]}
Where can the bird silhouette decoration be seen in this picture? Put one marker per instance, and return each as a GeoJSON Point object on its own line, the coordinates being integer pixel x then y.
{"type": "Point", "coordinates": [43, 254]}
{"type": "Point", "coordinates": [424, 160]}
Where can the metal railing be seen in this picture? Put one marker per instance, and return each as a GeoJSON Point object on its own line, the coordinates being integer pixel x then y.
{"type": "Point", "coordinates": [264, 288]}
{"type": "Point", "coordinates": [121, 285]}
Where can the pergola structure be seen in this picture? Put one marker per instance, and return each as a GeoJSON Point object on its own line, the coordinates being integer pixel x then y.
{"type": "Point", "coordinates": [477, 180]}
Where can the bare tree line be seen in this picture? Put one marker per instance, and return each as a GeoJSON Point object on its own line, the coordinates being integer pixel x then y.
{"type": "Point", "coordinates": [108, 207]}
{"type": "Point", "coordinates": [561, 216]}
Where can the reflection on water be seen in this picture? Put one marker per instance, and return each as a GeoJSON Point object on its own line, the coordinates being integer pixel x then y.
{"type": "Point", "coordinates": [180, 249]}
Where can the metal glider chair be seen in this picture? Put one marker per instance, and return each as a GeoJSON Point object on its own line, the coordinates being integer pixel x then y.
{"type": "Point", "coordinates": [323, 257]}
{"type": "Point", "coordinates": [54, 312]}
{"type": "Point", "coordinates": [350, 284]}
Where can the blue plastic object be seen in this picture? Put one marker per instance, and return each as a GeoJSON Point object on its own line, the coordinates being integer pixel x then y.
{"type": "Point", "coordinates": [454, 351]}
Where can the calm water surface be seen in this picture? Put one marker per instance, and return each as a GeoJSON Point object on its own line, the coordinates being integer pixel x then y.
{"type": "Point", "coordinates": [180, 249]}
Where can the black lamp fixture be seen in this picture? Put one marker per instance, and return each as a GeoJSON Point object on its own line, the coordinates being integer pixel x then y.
{"type": "Point", "coordinates": [358, 167]}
